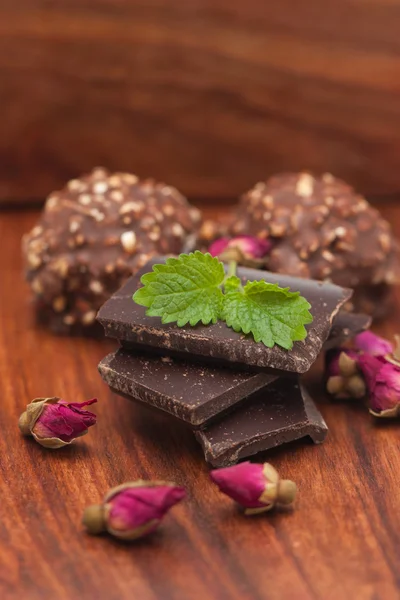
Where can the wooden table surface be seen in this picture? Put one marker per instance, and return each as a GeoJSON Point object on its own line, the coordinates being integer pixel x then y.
{"type": "Point", "coordinates": [342, 541]}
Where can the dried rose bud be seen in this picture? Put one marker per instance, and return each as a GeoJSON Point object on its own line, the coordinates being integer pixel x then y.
{"type": "Point", "coordinates": [383, 382]}
{"type": "Point", "coordinates": [373, 344]}
{"type": "Point", "coordinates": [217, 247]}
{"type": "Point", "coordinates": [243, 249]}
{"type": "Point", "coordinates": [257, 487]}
{"type": "Point", "coordinates": [343, 376]}
{"type": "Point", "coordinates": [132, 510]}
{"type": "Point", "coordinates": [55, 423]}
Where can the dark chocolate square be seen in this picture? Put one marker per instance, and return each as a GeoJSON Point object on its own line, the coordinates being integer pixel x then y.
{"type": "Point", "coordinates": [192, 392]}
{"type": "Point", "coordinates": [280, 413]}
{"type": "Point", "coordinates": [126, 321]}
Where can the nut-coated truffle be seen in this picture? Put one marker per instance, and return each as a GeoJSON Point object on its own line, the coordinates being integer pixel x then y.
{"type": "Point", "coordinates": [322, 229]}
{"type": "Point", "coordinates": [94, 234]}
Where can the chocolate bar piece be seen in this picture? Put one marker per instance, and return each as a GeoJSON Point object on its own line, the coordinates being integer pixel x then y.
{"type": "Point", "coordinates": [192, 392]}
{"type": "Point", "coordinates": [252, 421]}
{"type": "Point", "coordinates": [345, 326]}
{"type": "Point", "coordinates": [282, 412]}
{"type": "Point", "coordinates": [125, 320]}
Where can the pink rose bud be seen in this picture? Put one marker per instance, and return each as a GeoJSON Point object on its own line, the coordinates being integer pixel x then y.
{"type": "Point", "coordinates": [251, 247]}
{"type": "Point", "coordinates": [55, 423]}
{"type": "Point", "coordinates": [373, 344]}
{"type": "Point", "coordinates": [133, 510]}
{"type": "Point", "coordinates": [383, 382]}
{"type": "Point", "coordinates": [243, 249]}
{"type": "Point", "coordinates": [343, 376]}
{"type": "Point", "coordinates": [255, 486]}
{"type": "Point", "coordinates": [217, 247]}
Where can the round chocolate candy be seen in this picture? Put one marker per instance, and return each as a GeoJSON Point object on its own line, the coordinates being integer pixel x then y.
{"type": "Point", "coordinates": [93, 235]}
{"type": "Point", "coordinates": [320, 228]}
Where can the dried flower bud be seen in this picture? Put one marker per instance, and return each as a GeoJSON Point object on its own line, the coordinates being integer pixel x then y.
{"type": "Point", "coordinates": [132, 510]}
{"type": "Point", "coordinates": [257, 487]}
{"type": "Point", "coordinates": [217, 247]}
{"type": "Point", "coordinates": [343, 376]}
{"type": "Point", "coordinates": [244, 249]}
{"type": "Point", "coordinates": [55, 423]}
{"type": "Point", "coordinates": [372, 344]}
{"type": "Point", "coordinates": [383, 382]}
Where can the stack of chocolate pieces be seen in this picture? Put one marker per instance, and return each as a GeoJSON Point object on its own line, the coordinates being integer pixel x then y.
{"type": "Point", "coordinates": [238, 396]}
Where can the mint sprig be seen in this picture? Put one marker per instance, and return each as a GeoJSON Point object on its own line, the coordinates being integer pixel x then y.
{"type": "Point", "coordinates": [193, 288]}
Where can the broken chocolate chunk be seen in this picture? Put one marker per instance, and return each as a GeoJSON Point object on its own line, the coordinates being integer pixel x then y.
{"type": "Point", "coordinates": [192, 392]}
{"type": "Point", "coordinates": [282, 412]}
{"type": "Point", "coordinates": [125, 320]}
{"type": "Point", "coordinates": [345, 326]}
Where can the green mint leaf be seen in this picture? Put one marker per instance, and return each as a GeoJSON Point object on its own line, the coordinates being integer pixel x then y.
{"type": "Point", "coordinates": [184, 290]}
{"type": "Point", "coordinates": [272, 314]}
{"type": "Point", "coordinates": [232, 283]}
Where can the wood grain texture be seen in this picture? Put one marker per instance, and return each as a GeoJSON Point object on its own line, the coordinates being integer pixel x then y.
{"type": "Point", "coordinates": [341, 541]}
{"type": "Point", "coordinates": [209, 95]}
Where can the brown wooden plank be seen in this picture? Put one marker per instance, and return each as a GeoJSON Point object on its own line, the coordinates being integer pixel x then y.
{"type": "Point", "coordinates": [209, 95]}
{"type": "Point", "coordinates": [341, 541]}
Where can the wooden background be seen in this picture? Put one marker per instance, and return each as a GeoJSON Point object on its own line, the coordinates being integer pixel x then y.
{"type": "Point", "coordinates": [340, 543]}
{"type": "Point", "coordinates": [209, 95]}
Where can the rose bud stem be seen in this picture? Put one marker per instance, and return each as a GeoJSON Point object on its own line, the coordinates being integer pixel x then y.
{"type": "Point", "coordinates": [344, 379]}
{"type": "Point", "coordinates": [23, 424]}
{"type": "Point", "coordinates": [335, 385]}
{"type": "Point", "coordinates": [355, 385]}
{"type": "Point", "coordinates": [283, 492]}
{"type": "Point", "coordinates": [94, 519]}
{"type": "Point", "coordinates": [347, 365]}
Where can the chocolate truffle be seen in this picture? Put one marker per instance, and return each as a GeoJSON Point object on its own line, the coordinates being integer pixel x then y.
{"type": "Point", "coordinates": [322, 229]}
{"type": "Point", "coordinates": [94, 234]}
